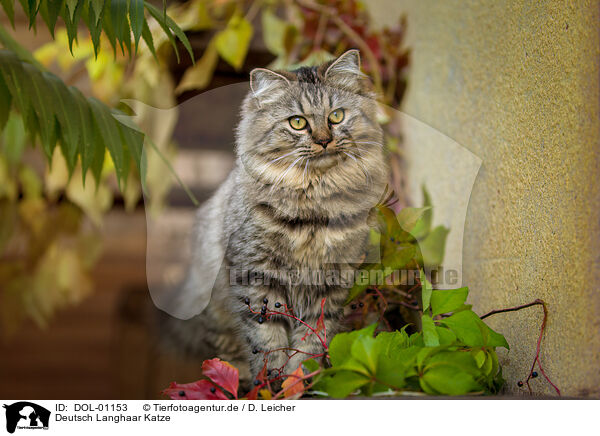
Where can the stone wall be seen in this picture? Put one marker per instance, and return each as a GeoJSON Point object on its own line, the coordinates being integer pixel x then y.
{"type": "Point", "coordinates": [517, 84]}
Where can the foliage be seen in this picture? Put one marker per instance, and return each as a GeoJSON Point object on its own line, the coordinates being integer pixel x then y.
{"type": "Point", "coordinates": [47, 246]}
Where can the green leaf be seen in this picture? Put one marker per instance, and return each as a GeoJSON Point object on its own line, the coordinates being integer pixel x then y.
{"type": "Point", "coordinates": [9, 8]}
{"type": "Point", "coordinates": [111, 137]}
{"type": "Point", "coordinates": [364, 350]}
{"type": "Point", "coordinates": [388, 343]}
{"type": "Point", "coordinates": [97, 6]}
{"type": "Point", "coordinates": [14, 138]}
{"type": "Point", "coordinates": [233, 42]}
{"type": "Point", "coordinates": [465, 325]}
{"type": "Point", "coordinates": [38, 89]}
{"type": "Point", "coordinates": [430, 336]}
{"type": "Point", "coordinates": [71, 19]}
{"type": "Point", "coordinates": [50, 10]}
{"type": "Point", "coordinates": [169, 25]}
{"type": "Point", "coordinates": [343, 383]}
{"type": "Point", "coordinates": [118, 18]}
{"type": "Point", "coordinates": [433, 246]}
{"type": "Point", "coordinates": [445, 301]}
{"type": "Point", "coordinates": [311, 365]}
{"type": "Point", "coordinates": [12, 71]}
{"type": "Point", "coordinates": [65, 111]}
{"type": "Point", "coordinates": [408, 217]}
{"type": "Point", "coordinates": [16, 49]}
{"type": "Point", "coordinates": [95, 28]}
{"type": "Point", "coordinates": [426, 290]}
{"type": "Point", "coordinates": [137, 19]}
{"type": "Point", "coordinates": [447, 337]}
{"type": "Point", "coordinates": [450, 380]}
{"type": "Point", "coordinates": [5, 101]}
{"type": "Point", "coordinates": [479, 356]}
{"type": "Point", "coordinates": [423, 225]}
{"type": "Point", "coordinates": [132, 136]}
{"type": "Point", "coordinates": [86, 139]}
{"type": "Point", "coordinates": [341, 344]}
{"type": "Point", "coordinates": [147, 36]}
{"type": "Point", "coordinates": [399, 258]}
{"type": "Point", "coordinates": [71, 7]}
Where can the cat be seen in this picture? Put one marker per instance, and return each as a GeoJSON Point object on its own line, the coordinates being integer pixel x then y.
{"type": "Point", "coordinates": [310, 167]}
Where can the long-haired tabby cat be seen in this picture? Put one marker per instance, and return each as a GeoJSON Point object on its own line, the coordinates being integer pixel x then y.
{"type": "Point", "coordinates": [310, 167]}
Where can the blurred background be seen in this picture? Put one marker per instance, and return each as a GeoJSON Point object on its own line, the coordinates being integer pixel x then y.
{"type": "Point", "coordinates": [499, 119]}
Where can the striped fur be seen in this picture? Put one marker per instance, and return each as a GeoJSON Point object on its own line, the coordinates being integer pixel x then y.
{"type": "Point", "coordinates": [289, 206]}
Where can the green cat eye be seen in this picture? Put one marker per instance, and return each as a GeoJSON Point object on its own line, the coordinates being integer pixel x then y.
{"type": "Point", "coordinates": [337, 116]}
{"type": "Point", "coordinates": [297, 122]}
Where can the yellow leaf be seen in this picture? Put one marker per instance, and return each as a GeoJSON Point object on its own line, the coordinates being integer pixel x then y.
{"type": "Point", "coordinates": [199, 75]}
{"type": "Point", "coordinates": [233, 42]}
{"type": "Point", "coordinates": [265, 394]}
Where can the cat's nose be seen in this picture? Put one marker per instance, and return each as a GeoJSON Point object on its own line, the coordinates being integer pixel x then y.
{"type": "Point", "coordinates": [323, 142]}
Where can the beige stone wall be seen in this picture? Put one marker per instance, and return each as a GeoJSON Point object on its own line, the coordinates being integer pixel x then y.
{"type": "Point", "coordinates": [517, 84]}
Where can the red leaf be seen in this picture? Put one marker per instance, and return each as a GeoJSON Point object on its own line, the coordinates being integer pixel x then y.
{"type": "Point", "coordinates": [199, 390]}
{"type": "Point", "coordinates": [293, 384]}
{"type": "Point", "coordinates": [223, 374]}
{"type": "Point", "coordinates": [253, 394]}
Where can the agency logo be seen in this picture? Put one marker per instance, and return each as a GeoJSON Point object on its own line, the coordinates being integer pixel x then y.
{"type": "Point", "coordinates": [26, 415]}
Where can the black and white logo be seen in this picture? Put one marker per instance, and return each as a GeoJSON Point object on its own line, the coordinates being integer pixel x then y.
{"type": "Point", "coordinates": [26, 415]}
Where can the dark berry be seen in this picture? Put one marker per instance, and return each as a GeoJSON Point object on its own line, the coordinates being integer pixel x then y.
{"type": "Point", "coordinates": [534, 374]}
{"type": "Point", "coordinates": [369, 291]}
{"type": "Point", "coordinates": [264, 308]}
{"type": "Point", "coordinates": [375, 297]}
{"type": "Point", "coordinates": [353, 307]}
{"type": "Point", "coordinates": [213, 389]}
{"type": "Point", "coordinates": [256, 382]}
{"type": "Point", "coordinates": [255, 351]}
{"type": "Point", "coordinates": [265, 300]}
{"type": "Point", "coordinates": [520, 384]}
{"type": "Point", "coordinates": [268, 373]}
{"type": "Point", "coordinates": [278, 305]}
{"type": "Point", "coordinates": [182, 393]}
{"type": "Point", "coordinates": [247, 301]}
{"type": "Point", "coordinates": [392, 239]}
{"type": "Point", "coordinates": [361, 304]}
{"type": "Point", "coordinates": [260, 320]}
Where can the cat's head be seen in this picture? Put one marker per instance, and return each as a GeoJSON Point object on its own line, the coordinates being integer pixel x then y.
{"type": "Point", "coordinates": [309, 121]}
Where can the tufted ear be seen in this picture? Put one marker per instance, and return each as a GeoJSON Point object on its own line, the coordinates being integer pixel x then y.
{"type": "Point", "coordinates": [347, 64]}
{"type": "Point", "coordinates": [263, 80]}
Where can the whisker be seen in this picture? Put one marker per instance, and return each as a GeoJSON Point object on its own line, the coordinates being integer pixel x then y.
{"type": "Point", "coordinates": [280, 178]}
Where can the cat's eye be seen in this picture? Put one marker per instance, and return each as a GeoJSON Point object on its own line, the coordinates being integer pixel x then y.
{"type": "Point", "coordinates": [297, 123]}
{"type": "Point", "coordinates": [337, 116]}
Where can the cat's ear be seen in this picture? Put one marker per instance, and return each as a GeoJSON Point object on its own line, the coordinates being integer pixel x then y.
{"type": "Point", "coordinates": [263, 80]}
{"type": "Point", "coordinates": [346, 66]}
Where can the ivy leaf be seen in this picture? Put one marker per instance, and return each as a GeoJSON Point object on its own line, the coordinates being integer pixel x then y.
{"type": "Point", "coordinates": [433, 246]}
{"type": "Point", "coordinates": [364, 350]}
{"type": "Point", "coordinates": [343, 383]}
{"type": "Point", "coordinates": [223, 374]}
{"type": "Point", "coordinates": [430, 336]}
{"type": "Point", "coordinates": [450, 380]}
{"type": "Point", "coordinates": [199, 390]}
{"type": "Point", "coordinates": [426, 290]}
{"type": "Point", "coordinates": [408, 217]}
{"type": "Point", "coordinates": [341, 344]}
{"type": "Point", "coordinates": [423, 225]}
{"type": "Point", "coordinates": [445, 301]}
{"type": "Point", "coordinates": [399, 258]}
{"type": "Point", "coordinates": [233, 41]}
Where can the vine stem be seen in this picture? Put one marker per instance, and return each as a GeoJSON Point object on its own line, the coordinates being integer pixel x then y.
{"type": "Point", "coordinates": [536, 302]}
